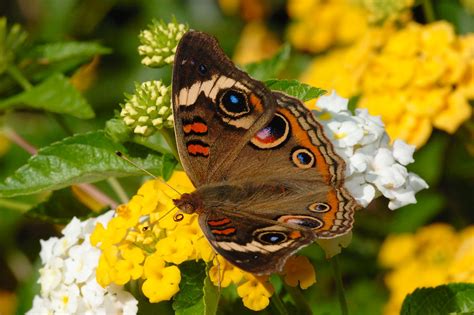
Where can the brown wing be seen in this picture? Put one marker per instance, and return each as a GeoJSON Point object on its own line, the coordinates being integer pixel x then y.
{"type": "Point", "coordinates": [288, 172]}
{"type": "Point", "coordinates": [251, 243]}
{"type": "Point", "coordinates": [217, 108]}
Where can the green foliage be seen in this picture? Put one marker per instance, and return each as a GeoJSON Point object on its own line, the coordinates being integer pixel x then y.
{"type": "Point", "coordinates": [66, 52]}
{"type": "Point", "coordinates": [60, 208]}
{"type": "Point", "coordinates": [197, 295]}
{"type": "Point", "coordinates": [295, 88]}
{"type": "Point", "coordinates": [429, 159]}
{"type": "Point", "coordinates": [454, 298]}
{"type": "Point", "coordinates": [269, 68]}
{"type": "Point", "coordinates": [410, 218]}
{"type": "Point", "coordinates": [83, 158]}
{"type": "Point", "coordinates": [454, 13]}
{"type": "Point", "coordinates": [56, 95]}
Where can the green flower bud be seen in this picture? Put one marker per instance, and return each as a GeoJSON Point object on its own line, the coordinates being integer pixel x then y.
{"type": "Point", "coordinates": [159, 41]}
{"type": "Point", "coordinates": [10, 41]}
{"type": "Point", "coordinates": [149, 109]}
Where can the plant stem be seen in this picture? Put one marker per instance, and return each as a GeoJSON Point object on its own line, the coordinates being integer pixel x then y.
{"type": "Point", "coordinates": [118, 189]}
{"type": "Point", "coordinates": [339, 286]}
{"type": "Point", "coordinates": [428, 10]}
{"type": "Point", "coordinates": [278, 304]}
{"type": "Point", "coordinates": [168, 134]}
{"type": "Point", "coordinates": [299, 299]}
{"type": "Point", "coordinates": [98, 195]}
{"type": "Point", "coordinates": [19, 77]}
{"type": "Point", "coordinates": [18, 140]}
{"type": "Point", "coordinates": [14, 205]}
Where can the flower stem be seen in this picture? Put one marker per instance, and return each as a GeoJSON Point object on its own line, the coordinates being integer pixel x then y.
{"type": "Point", "coordinates": [168, 134]}
{"type": "Point", "coordinates": [339, 287]}
{"type": "Point", "coordinates": [428, 10]}
{"type": "Point", "coordinates": [278, 304]}
{"type": "Point", "coordinates": [14, 205]}
{"type": "Point", "coordinates": [118, 189]}
{"type": "Point", "coordinates": [299, 300]}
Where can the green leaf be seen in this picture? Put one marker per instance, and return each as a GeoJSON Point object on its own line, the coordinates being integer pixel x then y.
{"type": "Point", "coordinates": [411, 217]}
{"type": "Point", "coordinates": [28, 289]}
{"type": "Point", "coordinates": [56, 94]}
{"type": "Point", "coordinates": [430, 158]}
{"type": "Point", "coordinates": [454, 298]}
{"type": "Point", "coordinates": [66, 51]}
{"type": "Point", "coordinates": [189, 300]}
{"type": "Point", "coordinates": [295, 88]}
{"type": "Point", "coordinates": [455, 14]}
{"type": "Point", "coordinates": [211, 296]}
{"type": "Point", "coordinates": [60, 208]}
{"type": "Point", "coordinates": [83, 158]}
{"type": "Point", "coordinates": [269, 68]}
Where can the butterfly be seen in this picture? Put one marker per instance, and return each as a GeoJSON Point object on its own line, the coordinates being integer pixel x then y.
{"type": "Point", "coordinates": [268, 181]}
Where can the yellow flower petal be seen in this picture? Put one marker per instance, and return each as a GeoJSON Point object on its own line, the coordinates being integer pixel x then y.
{"type": "Point", "coordinates": [396, 250]}
{"type": "Point", "coordinates": [457, 112]}
{"type": "Point", "coordinates": [255, 292]}
{"type": "Point", "coordinates": [298, 269]}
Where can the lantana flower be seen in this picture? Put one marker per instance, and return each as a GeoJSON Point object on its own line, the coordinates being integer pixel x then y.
{"type": "Point", "coordinates": [159, 41]}
{"type": "Point", "coordinates": [149, 108]}
{"type": "Point", "coordinates": [373, 166]}
{"type": "Point", "coordinates": [416, 78]}
{"type": "Point", "coordinates": [434, 255]}
{"type": "Point", "coordinates": [68, 275]}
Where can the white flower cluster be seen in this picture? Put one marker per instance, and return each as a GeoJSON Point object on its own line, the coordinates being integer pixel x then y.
{"type": "Point", "coordinates": [67, 278]}
{"type": "Point", "coordinates": [373, 166]}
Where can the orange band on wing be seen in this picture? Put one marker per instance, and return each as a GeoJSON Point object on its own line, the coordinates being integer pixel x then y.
{"type": "Point", "coordinates": [330, 216]}
{"type": "Point", "coordinates": [198, 148]}
{"type": "Point", "coordinates": [196, 127]}
{"type": "Point", "coordinates": [256, 103]}
{"type": "Point", "coordinates": [223, 232]}
{"type": "Point", "coordinates": [302, 138]}
{"type": "Point", "coordinates": [219, 222]}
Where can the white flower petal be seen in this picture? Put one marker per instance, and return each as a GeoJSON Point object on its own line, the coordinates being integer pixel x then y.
{"type": "Point", "coordinates": [403, 152]}
{"type": "Point", "coordinates": [332, 102]}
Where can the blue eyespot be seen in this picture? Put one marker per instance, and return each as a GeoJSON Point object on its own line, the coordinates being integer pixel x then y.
{"type": "Point", "coordinates": [233, 99]}
{"type": "Point", "coordinates": [202, 69]}
{"type": "Point", "coordinates": [234, 103]}
{"type": "Point", "coordinates": [272, 237]}
{"type": "Point", "coordinates": [302, 157]}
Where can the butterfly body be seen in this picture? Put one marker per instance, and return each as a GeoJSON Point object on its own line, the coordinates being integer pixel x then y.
{"type": "Point", "coordinates": [267, 179]}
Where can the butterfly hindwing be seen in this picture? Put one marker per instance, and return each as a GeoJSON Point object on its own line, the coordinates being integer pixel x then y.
{"type": "Point", "coordinates": [255, 245]}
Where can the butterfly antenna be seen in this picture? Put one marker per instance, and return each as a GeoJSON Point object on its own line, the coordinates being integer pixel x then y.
{"type": "Point", "coordinates": [123, 157]}
{"type": "Point", "coordinates": [164, 215]}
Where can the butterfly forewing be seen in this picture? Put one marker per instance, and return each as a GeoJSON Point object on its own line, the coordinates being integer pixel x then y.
{"type": "Point", "coordinates": [217, 108]}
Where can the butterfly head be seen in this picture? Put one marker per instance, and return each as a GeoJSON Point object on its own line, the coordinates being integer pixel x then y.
{"type": "Point", "coordinates": [189, 204]}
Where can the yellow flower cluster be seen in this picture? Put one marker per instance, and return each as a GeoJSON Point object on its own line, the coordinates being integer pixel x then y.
{"type": "Point", "coordinates": [144, 241]}
{"type": "Point", "coordinates": [435, 255]}
{"type": "Point", "coordinates": [317, 24]}
{"type": "Point", "coordinates": [416, 78]}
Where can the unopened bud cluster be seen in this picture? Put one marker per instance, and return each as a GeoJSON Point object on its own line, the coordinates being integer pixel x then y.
{"type": "Point", "coordinates": [159, 41]}
{"type": "Point", "coordinates": [149, 109]}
